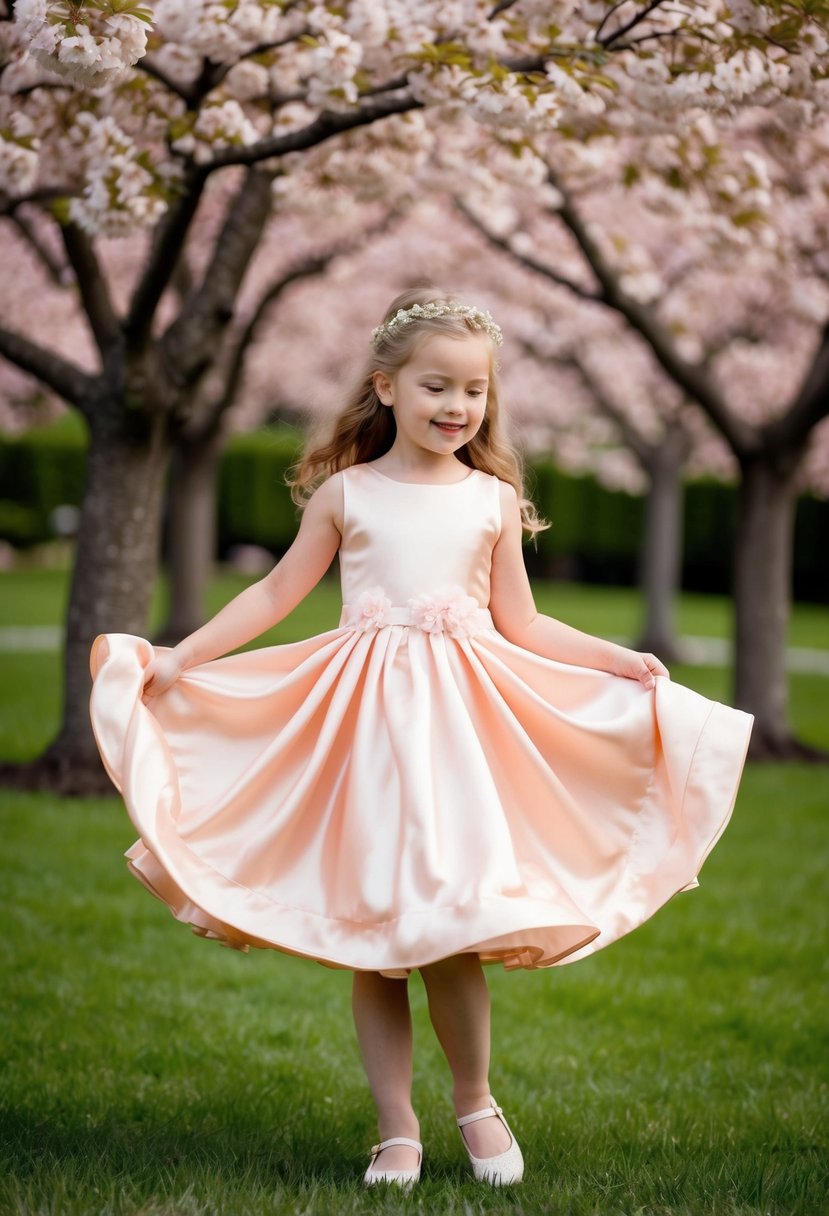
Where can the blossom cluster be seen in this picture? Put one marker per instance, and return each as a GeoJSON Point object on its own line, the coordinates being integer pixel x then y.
{"type": "Point", "coordinates": [744, 74]}
{"type": "Point", "coordinates": [383, 163]}
{"type": "Point", "coordinates": [220, 32]}
{"type": "Point", "coordinates": [93, 46]}
{"type": "Point", "coordinates": [121, 191]}
{"type": "Point", "coordinates": [218, 124]}
{"type": "Point", "coordinates": [699, 170]}
{"type": "Point", "coordinates": [332, 67]}
{"type": "Point", "coordinates": [245, 70]}
{"type": "Point", "coordinates": [19, 146]}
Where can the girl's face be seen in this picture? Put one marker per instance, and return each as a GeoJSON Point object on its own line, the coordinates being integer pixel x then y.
{"type": "Point", "coordinates": [439, 395]}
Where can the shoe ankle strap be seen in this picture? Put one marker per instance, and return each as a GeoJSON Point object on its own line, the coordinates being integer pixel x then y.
{"type": "Point", "coordinates": [489, 1113]}
{"type": "Point", "coordinates": [404, 1140]}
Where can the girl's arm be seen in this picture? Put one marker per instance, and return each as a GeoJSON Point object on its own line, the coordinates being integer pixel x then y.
{"type": "Point", "coordinates": [516, 617]}
{"type": "Point", "coordinates": [266, 602]}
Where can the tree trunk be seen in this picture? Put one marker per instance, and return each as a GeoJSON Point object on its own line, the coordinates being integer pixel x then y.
{"type": "Point", "coordinates": [112, 582]}
{"type": "Point", "coordinates": [191, 533]}
{"type": "Point", "coordinates": [762, 593]}
{"type": "Point", "coordinates": [661, 557]}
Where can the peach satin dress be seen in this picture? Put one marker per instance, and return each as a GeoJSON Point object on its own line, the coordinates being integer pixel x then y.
{"type": "Point", "coordinates": [411, 785]}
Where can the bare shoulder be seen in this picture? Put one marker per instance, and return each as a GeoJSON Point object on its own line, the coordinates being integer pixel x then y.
{"type": "Point", "coordinates": [326, 503]}
{"type": "Point", "coordinates": [510, 508]}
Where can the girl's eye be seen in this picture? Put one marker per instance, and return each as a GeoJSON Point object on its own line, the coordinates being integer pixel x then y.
{"type": "Point", "coordinates": [434, 388]}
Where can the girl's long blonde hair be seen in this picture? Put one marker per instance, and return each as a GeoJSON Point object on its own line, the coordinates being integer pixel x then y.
{"type": "Point", "coordinates": [365, 428]}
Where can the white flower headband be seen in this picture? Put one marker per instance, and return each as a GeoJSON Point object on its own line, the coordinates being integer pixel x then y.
{"type": "Point", "coordinates": [404, 316]}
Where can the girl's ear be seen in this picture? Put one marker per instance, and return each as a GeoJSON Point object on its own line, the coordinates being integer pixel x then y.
{"type": "Point", "coordinates": [382, 387]}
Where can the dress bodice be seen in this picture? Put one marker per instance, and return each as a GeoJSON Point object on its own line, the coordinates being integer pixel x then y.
{"type": "Point", "coordinates": [410, 538]}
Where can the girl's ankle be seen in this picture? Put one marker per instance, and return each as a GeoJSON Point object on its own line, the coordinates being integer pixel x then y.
{"type": "Point", "coordinates": [466, 1102]}
{"type": "Point", "coordinates": [400, 1123]}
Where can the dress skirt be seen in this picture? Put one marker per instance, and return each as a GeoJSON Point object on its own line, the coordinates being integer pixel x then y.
{"type": "Point", "coordinates": [387, 794]}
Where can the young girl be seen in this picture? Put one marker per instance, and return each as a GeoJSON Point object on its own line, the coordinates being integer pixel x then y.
{"type": "Point", "coordinates": [448, 778]}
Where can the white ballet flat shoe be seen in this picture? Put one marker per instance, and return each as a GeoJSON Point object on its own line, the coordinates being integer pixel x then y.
{"type": "Point", "coordinates": [402, 1178]}
{"type": "Point", "coordinates": [505, 1169]}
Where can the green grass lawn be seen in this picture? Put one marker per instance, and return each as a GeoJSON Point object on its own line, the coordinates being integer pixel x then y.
{"type": "Point", "coordinates": [30, 693]}
{"type": "Point", "coordinates": [38, 597]}
{"type": "Point", "coordinates": [144, 1071]}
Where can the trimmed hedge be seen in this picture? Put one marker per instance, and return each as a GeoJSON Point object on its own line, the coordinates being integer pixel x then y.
{"type": "Point", "coordinates": [255, 505]}
{"type": "Point", "coordinates": [595, 533]}
{"type": "Point", "coordinates": [811, 550]}
{"type": "Point", "coordinates": [39, 471]}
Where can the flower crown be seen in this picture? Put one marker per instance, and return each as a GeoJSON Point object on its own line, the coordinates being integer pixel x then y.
{"type": "Point", "coordinates": [404, 316]}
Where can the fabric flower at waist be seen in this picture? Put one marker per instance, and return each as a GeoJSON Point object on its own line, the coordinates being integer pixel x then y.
{"type": "Point", "coordinates": [450, 611]}
{"type": "Point", "coordinates": [372, 609]}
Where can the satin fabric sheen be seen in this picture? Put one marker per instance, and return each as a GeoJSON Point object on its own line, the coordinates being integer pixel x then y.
{"type": "Point", "coordinates": [378, 798]}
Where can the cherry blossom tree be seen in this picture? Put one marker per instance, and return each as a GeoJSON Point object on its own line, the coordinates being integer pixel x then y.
{"type": "Point", "coordinates": [117, 117]}
{"type": "Point", "coordinates": [736, 316]}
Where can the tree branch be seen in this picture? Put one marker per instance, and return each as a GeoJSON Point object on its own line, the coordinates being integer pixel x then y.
{"type": "Point", "coordinates": [524, 260]}
{"type": "Point", "coordinates": [43, 86]}
{"type": "Point", "coordinates": [734, 333]}
{"type": "Point", "coordinates": [173, 228]}
{"type": "Point", "coordinates": [529, 63]}
{"type": "Point", "coordinates": [614, 8]}
{"type": "Point", "coordinates": [654, 36]}
{"type": "Point", "coordinates": [147, 66]}
{"type": "Point", "coordinates": [63, 377]}
{"type": "Point", "coordinates": [810, 406]}
{"type": "Point", "coordinates": [46, 194]}
{"type": "Point", "coordinates": [388, 86]}
{"type": "Point", "coordinates": [308, 267]}
{"type": "Point", "coordinates": [167, 246]}
{"type": "Point", "coordinates": [51, 265]}
{"type": "Point", "coordinates": [218, 71]}
{"type": "Point", "coordinates": [327, 125]}
{"type": "Point", "coordinates": [694, 380]}
{"type": "Point", "coordinates": [212, 74]}
{"type": "Point", "coordinates": [640, 447]}
{"type": "Point", "coordinates": [93, 288]}
{"type": "Point", "coordinates": [635, 20]}
{"type": "Point", "coordinates": [189, 342]}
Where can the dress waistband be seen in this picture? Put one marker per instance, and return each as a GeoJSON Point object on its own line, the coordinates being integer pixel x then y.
{"type": "Point", "coordinates": [453, 612]}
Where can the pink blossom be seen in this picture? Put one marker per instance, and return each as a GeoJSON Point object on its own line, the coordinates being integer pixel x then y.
{"type": "Point", "coordinates": [703, 181]}
{"type": "Point", "coordinates": [220, 125]}
{"type": "Point", "coordinates": [18, 151]}
{"type": "Point", "coordinates": [95, 51]}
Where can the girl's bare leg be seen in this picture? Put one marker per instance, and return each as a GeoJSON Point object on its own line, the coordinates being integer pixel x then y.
{"type": "Point", "coordinates": [459, 1007]}
{"type": "Point", "coordinates": [384, 1033]}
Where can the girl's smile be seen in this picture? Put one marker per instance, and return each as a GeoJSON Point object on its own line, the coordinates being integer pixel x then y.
{"type": "Point", "coordinates": [438, 397]}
